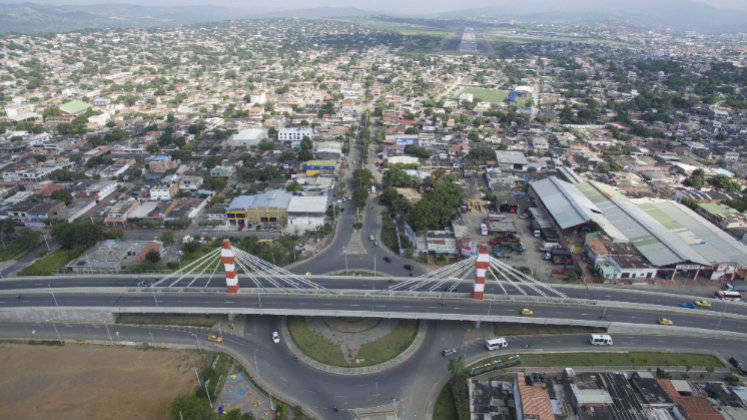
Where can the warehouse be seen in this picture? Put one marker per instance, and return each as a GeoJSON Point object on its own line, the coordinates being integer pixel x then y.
{"type": "Point", "coordinates": [247, 138]}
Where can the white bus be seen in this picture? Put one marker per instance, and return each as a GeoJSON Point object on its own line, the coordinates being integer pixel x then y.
{"type": "Point", "coordinates": [496, 343]}
{"type": "Point", "coordinates": [600, 340]}
{"type": "Point", "coordinates": [728, 295]}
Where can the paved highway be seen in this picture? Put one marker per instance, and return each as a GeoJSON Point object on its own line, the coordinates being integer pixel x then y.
{"type": "Point", "coordinates": [667, 298]}
{"type": "Point", "coordinates": [367, 306]}
{"type": "Point", "coordinates": [410, 384]}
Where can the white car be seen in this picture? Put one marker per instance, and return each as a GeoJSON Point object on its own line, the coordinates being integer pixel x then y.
{"type": "Point", "coordinates": [275, 337]}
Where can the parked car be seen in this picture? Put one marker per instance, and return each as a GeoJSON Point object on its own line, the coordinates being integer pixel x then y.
{"type": "Point", "coordinates": [449, 352]}
{"type": "Point", "coordinates": [688, 305]}
{"type": "Point", "coordinates": [737, 364]}
{"type": "Point", "coordinates": [241, 227]}
{"type": "Point", "coordinates": [272, 230]}
{"type": "Point", "coordinates": [275, 337]}
{"type": "Point", "coordinates": [259, 227]}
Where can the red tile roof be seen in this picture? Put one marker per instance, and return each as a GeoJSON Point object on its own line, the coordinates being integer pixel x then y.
{"type": "Point", "coordinates": [696, 408]}
{"type": "Point", "coordinates": [535, 401]}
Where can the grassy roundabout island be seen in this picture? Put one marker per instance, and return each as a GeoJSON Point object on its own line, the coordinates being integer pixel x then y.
{"type": "Point", "coordinates": [352, 342]}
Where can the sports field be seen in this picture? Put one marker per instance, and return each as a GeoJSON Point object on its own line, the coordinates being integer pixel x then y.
{"type": "Point", "coordinates": [494, 96]}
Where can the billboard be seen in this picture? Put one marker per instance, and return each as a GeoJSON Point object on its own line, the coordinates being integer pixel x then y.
{"type": "Point", "coordinates": [469, 248]}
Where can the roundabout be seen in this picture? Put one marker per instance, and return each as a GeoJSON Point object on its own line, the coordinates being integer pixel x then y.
{"type": "Point", "coordinates": [350, 345]}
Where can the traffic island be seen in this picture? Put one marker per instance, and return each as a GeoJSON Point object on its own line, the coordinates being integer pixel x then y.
{"type": "Point", "coordinates": [352, 346]}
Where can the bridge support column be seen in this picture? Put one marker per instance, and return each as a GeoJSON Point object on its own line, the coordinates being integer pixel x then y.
{"type": "Point", "coordinates": [231, 317]}
{"type": "Point", "coordinates": [482, 264]}
{"type": "Point", "coordinates": [227, 258]}
{"type": "Point", "coordinates": [477, 324]}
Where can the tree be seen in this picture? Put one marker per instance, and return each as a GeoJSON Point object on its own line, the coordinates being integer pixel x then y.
{"type": "Point", "coordinates": [389, 195]}
{"type": "Point", "coordinates": [286, 156]}
{"type": "Point", "coordinates": [115, 234]}
{"type": "Point", "coordinates": [235, 414]}
{"type": "Point", "coordinates": [62, 195]}
{"type": "Point", "coordinates": [170, 117]}
{"type": "Point", "coordinates": [294, 187]}
{"type": "Point", "coordinates": [153, 256]}
{"type": "Point", "coordinates": [362, 177]}
{"type": "Point", "coordinates": [188, 407]}
{"type": "Point", "coordinates": [167, 237]}
{"type": "Point", "coordinates": [306, 143]}
{"type": "Point", "coordinates": [304, 155]}
{"type": "Point", "coordinates": [411, 130]}
{"type": "Point", "coordinates": [81, 233]}
{"type": "Point", "coordinates": [696, 180]}
{"type": "Point", "coordinates": [212, 162]}
{"type": "Point", "coordinates": [325, 229]}
{"type": "Point", "coordinates": [8, 226]}
{"type": "Point", "coordinates": [456, 365]}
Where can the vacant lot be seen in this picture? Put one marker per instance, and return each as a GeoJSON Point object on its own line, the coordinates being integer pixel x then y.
{"type": "Point", "coordinates": [91, 382]}
{"type": "Point", "coordinates": [615, 359]}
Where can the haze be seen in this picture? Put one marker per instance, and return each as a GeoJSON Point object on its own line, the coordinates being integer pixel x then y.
{"type": "Point", "coordinates": [414, 7]}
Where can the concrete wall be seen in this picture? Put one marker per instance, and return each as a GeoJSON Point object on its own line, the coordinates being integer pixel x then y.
{"type": "Point", "coordinates": [86, 315]}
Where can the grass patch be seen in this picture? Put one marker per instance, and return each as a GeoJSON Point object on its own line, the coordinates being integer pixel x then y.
{"type": "Point", "coordinates": [445, 408]}
{"type": "Point", "coordinates": [314, 346]}
{"type": "Point", "coordinates": [54, 261]}
{"type": "Point", "coordinates": [389, 239]}
{"type": "Point", "coordinates": [327, 352]}
{"type": "Point", "coordinates": [389, 346]}
{"type": "Point", "coordinates": [614, 359]}
{"type": "Point", "coordinates": [510, 328]}
{"type": "Point", "coordinates": [494, 96]}
{"type": "Point", "coordinates": [168, 319]}
{"type": "Point", "coordinates": [16, 251]}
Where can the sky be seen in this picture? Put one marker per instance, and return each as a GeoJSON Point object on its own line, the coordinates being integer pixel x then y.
{"type": "Point", "coordinates": [417, 6]}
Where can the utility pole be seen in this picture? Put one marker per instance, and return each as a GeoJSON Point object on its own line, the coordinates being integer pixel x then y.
{"type": "Point", "coordinates": [58, 333]}
{"type": "Point", "coordinates": [208, 393]}
{"type": "Point", "coordinates": [52, 291]}
{"type": "Point", "coordinates": [110, 335]}
{"type": "Point", "coordinates": [722, 315]}
{"type": "Point", "coordinates": [346, 262]}
{"type": "Point", "coordinates": [605, 307]}
{"type": "Point", "coordinates": [153, 340]}
{"type": "Point", "coordinates": [198, 343]}
{"type": "Point", "coordinates": [45, 241]}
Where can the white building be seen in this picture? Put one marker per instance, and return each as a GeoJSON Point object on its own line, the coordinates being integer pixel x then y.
{"type": "Point", "coordinates": [466, 97]}
{"type": "Point", "coordinates": [296, 133]}
{"type": "Point", "coordinates": [247, 138]}
{"type": "Point", "coordinates": [306, 212]}
{"type": "Point", "coordinates": [164, 191]}
{"type": "Point", "coordinates": [258, 98]}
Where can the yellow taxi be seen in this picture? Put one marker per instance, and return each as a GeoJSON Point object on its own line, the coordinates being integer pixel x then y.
{"type": "Point", "coordinates": [664, 321]}
{"type": "Point", "coordinates": [371, 238]}
{"type": "Point", "coordinates": [308, 273]}
{"type": "Point", "coordinates": [703, 303]}
{"type": "Point", "coordinates": [215, 338]}
{"type": "Point", "coordinates": [527, 312]}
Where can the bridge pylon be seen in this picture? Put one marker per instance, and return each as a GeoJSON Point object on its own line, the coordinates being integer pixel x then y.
{"type": "Point", "coordinates": [482, 264]}
{"type": "Point", "coordinates": [227, 257]}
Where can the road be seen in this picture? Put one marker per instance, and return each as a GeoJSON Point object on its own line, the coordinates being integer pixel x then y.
{"type": "Point", "coordinates": [667, 299]}
{"type": "Point", "coordinates": [410, 384]}
{"type": "Point", "coordinates": [466, 309]}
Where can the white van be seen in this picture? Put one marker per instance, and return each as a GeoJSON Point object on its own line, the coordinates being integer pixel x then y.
{"type": "Point", "coordinates": [496, 343]}
{"type": "Point", "coordinates": [600, 340]}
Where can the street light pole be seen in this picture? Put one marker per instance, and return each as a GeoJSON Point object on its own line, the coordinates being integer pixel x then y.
{"type": "Point", "coordinates": [346, 262]}
{"type": "Point", "coordinates": [58, 333]}
{"type": "Point", "coordinates": [208, 393]}
{"type": "Point", "coordinates": [605, 307]}
{"type": "Point", "coordinates": [198, 343]}
{"type": "Point", "coordinates": [153, 340]}
{"type": "Point", "coordinates": [152, 289]}
{"type": "Point", "coordinates": [45, 241]}
{"type": "Point", "coordinates": [52, 291]}
{"type": "Point", "coordinates": [110, 334]}
{"type": "Point", "coordinates": [722, 315]}
{"type": "Point", "coordinates": [377, 391]}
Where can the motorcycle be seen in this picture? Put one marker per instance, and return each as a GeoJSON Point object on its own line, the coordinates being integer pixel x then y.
{"type": "Point", "coordinates": [410, 273]}
{"type": "Point", "coordinates": [443, 303]}
{"type": "Point", "coordinates": [527, 346]}
{"type": "Point", "coordinates": [295, 358]}
{"type": "Point", "coordinates": [334, 407]}
{"type": "Point", "coordinates": [19, 297]}
{"type": "Point", "coordinates": [391, 281]}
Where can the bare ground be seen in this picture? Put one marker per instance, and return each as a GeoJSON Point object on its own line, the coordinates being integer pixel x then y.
{"type": "Point", "coordinates": [86, 382]}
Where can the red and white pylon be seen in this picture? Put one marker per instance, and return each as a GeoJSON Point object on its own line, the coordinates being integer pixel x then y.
{"type": "Point", "coordinates": [482, 263]}
{"type": "Point", "coordinates": [227, 258]}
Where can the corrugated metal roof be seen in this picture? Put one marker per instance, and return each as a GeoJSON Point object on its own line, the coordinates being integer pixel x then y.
{"type": "Point", "coordinates": [566, 204]}
{"type": "Point", "coordinates": [700, 236]}
{"type": "Point", "coordinates": [273, 198]}
{"type": "Point", "coordinates": [242, 202]}
{"type": "Point", "coordinates": [658, 245]}
{"type": "Point", "coordinates": [308, 204]}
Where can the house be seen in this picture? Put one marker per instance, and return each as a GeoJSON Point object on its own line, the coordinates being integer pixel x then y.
{"type": "Point", "coordinates": [164, 191]}
{"type": "Point", "coordinates": [533, 399]}
{"type": "Point", "coordinates": [163, 163]}
{"type": "Point", "coordinates": [223, 171]}
{"type": "Point", "coordinates": [94, 189]}
{"type": "Point", "coordinates": [74, 107]}
{"type": "Point", "coordinates": [307, 212]}
{"type": "Point", "coordinates": [113, 256]}
{"type": "Point", "coordinates": [34, 213]}
{"type": "Point", "coordinates": [117, 215]}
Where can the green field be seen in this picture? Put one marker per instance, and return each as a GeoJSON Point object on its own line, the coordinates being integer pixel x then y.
{"type": "Point", "coordinates": [445, 408]}
{"type": "Point", "coordinates": [509, 328]}
{"type": "Point", "coordinates": [494, 96]}
{"type": "Point", "coordinates": [44, 266]}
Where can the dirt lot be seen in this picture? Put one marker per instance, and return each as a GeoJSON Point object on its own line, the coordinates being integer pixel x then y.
{"type": "Point", "coordinates": [91, 382]}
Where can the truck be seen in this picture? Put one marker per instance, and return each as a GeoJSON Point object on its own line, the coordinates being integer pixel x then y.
{"type": "Point", "coordinates": [519, 247]}
{"type": "Point", "coordinates": [739, 287]}
{"type": "Point", "coordinates": [495, 217]}
{"type": "Point", "coordinates": [483, 229]}
{"type": "Point", "coordinates": [535, 228]}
